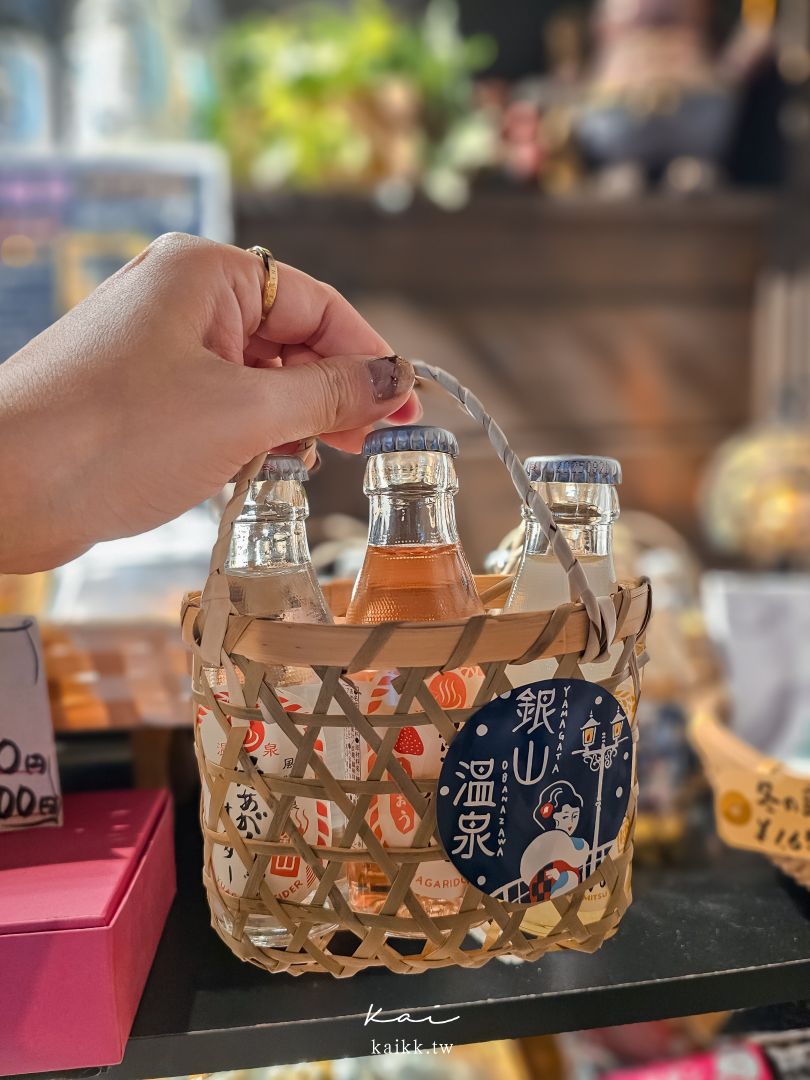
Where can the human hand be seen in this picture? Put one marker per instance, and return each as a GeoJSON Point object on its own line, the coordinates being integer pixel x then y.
{"type": "Point", "coordinates": [147, 397]}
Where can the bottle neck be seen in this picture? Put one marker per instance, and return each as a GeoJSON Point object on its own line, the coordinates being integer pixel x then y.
{"type": "Point", "coordinates": [411, 500]}
{"type": "Point", "coordinates": [584, 514]}
{"type": "Point", "coordinates": [270, 532]}
{"type": "Point", "coordinates": [427, 520]}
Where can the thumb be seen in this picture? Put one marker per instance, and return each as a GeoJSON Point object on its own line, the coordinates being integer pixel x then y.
{"type": "Point", "coordinates": [335, 394]}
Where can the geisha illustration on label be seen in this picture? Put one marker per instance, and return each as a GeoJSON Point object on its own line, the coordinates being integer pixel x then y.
{"type": "Point", "coordinates": [534, 789]}
{"type": "Point", "coordinates": [552, 863]}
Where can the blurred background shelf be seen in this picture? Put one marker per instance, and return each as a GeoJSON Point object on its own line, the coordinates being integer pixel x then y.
{"type": "Point", "coordinates": [649, 302]}
{"type": "Point", "coordinates": [526, 246]}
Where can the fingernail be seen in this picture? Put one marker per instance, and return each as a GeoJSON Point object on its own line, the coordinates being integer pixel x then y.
{"type": "Point", "coordinates": [390, 377]}
{"type": "Point", "coordinates": [298, 446]}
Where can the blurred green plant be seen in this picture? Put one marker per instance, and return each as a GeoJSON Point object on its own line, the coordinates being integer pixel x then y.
{"type": "Point", "coordinates": [321, 97]}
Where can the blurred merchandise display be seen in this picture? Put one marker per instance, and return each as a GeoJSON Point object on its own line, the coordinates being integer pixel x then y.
{"type": "Point", "coordinates": [356, 99]}
{"type": "Point", "coordinates": [609, 1051]}
{"type": "Point", "coordinates": [788, 1053]}
{"type": "Point", "coordinates": [138, 70]}
{"type": "Point", "coordinates": [375, 97]}
{"type": "Point", "coordinates": [26, 78]}
{"type": "Point", "coordinates": [731, 1061]}
{"type": "Point", "coordinates": [482, 1061]}
{"type": "Point", "coordinates": [757, 496]}
{"type": "Point", "coordinates": [67, 222]}
{"type": "Point", "coordinates": [119, 76]}
{"type": "Point", "coordinates": [659, 104]}
{"type": "Point", "coordinates": [756, 510]}
{"type": "Point", "coordinates": [679, 670]}
{"type": "Point", "coordinates": [537, 143]}
{"type": "Point", "coordinates": [197, 24]}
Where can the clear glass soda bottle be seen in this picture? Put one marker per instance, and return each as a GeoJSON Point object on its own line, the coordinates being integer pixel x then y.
{"type": "Point", "coordinates": [270, 574]}
{"type": "Point", "coordinates": [415, 569]}
{"type": "Point", "coordinates": [581, 493]}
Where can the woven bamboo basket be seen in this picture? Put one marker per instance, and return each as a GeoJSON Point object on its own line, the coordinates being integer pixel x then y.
{"type": "Point", "coordinates": [760, 804]}
{"type": "Point", "coordinates": [326, 934]}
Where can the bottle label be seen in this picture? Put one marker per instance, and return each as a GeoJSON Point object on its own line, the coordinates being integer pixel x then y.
{"type": "Point", "coordinates": [289, 876]}
{"type": "Point", "coordinates": [534, 790]}
{"type": "Point", "coordinates": [420, 750]}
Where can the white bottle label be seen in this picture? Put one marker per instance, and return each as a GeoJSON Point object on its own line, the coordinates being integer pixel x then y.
{"type": "Point", "coordinates": [289, 876]}
{"type": "Point", "coordinates": [420, 751]}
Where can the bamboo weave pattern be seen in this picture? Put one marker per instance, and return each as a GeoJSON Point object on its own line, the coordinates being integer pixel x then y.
{"type": "Point", "coordinates": [248, 648]}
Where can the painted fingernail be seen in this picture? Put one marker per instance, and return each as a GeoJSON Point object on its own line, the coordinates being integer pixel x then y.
{"type": "Point", "coordinates": [390, 377]}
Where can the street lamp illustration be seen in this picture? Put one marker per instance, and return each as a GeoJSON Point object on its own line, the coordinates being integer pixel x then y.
{"type": "Point", "coordinates": [618, 723]}
{"type": "Point", "coordinates": [599, 757]}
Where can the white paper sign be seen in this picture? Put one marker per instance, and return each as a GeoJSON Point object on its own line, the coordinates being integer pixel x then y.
{"type": "Point", "coordinates": [761, 624]}
{"type": "Point", "coordinates": [29, 778]}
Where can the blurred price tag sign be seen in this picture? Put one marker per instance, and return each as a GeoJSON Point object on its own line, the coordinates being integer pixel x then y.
{"type": "Point", "coordinates": [759, 804]}
{"type": "Point", "coordinates": [29, 778]}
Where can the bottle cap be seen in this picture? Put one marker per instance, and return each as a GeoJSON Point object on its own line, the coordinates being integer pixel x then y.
{"type": "Point", "coordinates": [411, 437]}
{"type": "Point", "coordinates": [283, 467]}
{"type": "Point", "coordinates": [571, 469]}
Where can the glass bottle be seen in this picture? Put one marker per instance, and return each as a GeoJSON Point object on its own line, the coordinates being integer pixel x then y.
{"type": "Point", "coordinates": [270, 574]}
{"type": "Point", "coordinates": [414, 569]}
{"type": "Point", "coordinates": [581, 493]}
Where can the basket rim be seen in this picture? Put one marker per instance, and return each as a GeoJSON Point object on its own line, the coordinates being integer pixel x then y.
{"type": "Point", "coordinates": [481, 639]}
{"type": "Point", "coordinates": [735, 770]}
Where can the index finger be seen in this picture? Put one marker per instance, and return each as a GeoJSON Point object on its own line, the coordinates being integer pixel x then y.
{"type": "Point", "coordinates": [311, 313]}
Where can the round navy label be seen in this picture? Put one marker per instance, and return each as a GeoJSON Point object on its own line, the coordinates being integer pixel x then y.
{"type": "Point", "coordinates": [534, 788]}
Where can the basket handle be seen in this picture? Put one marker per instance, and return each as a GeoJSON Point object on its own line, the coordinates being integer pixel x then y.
{"type": "Point", "coordinates": [216, 602]}
{"type": "Point", "coordinates": [578, 586]}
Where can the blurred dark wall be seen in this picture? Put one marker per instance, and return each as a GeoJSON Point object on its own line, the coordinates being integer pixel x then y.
{"type": "Point", "coordinates": [620, 329]}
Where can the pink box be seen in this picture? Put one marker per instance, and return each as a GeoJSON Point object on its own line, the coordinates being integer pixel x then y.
{"type": "Point", "coordinates": [81, 911]}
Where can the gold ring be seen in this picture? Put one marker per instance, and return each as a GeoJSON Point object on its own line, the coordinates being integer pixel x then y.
{"type": "Point", "coordinates": [270, 277]}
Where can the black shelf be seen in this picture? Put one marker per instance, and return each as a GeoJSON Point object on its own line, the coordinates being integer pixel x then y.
{"type": "Point", "coordinates": [725, 932]}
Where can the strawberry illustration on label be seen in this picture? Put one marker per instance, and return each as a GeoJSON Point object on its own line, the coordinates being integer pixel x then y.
{"type": "Point", "coordinates": [409, 742]}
